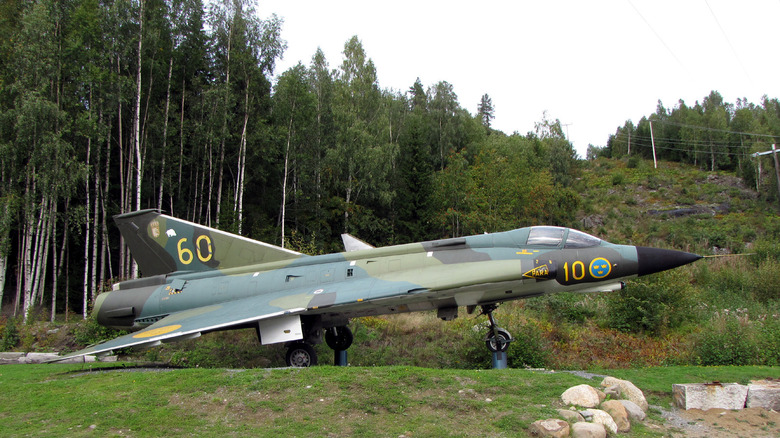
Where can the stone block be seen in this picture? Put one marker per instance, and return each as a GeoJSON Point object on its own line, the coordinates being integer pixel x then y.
{"type": "Point", "coordinates": [709, 395]}
{"type": "Point", "coordinates": [764, 394]}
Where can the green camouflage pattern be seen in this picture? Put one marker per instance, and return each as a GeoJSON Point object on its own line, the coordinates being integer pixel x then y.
{"type": "Point", "coordinates": [198, 279]}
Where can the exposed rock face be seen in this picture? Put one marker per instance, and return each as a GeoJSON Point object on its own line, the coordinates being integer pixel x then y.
{"type": "Point", "coordinates": [570, 416]}
{"type": "Point", "coordinates": [618, 413]}
{"type": "Point", "coordinates": [581, 395]}
{"type": "Point", "coordinates": [635, 413]}
{"type": "Point", "coordinates": [604, 419]}
{"type": "Point", "coordinates": [552, 427]}
{"type": "Point", "coordinates": [708, 396]}
{"type": "Point", "coordinates": [588, 430]}
{"type": "Point", "coordinates": [628, 391]}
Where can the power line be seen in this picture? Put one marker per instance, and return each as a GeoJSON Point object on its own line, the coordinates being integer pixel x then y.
{"type": "Point", "coordinates": [728, 41]}
{"type": "Point", "coordinates": [704, 128]}
{"type": "Point", "coordinates": [656, 34]}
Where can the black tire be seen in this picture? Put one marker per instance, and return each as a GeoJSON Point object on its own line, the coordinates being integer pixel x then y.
{"type": "Point", "coordinates": [504, 338]}
{"type": "Point", "coordinates": [341, 339]}
{"type": "Point", "coordinates": [300, 355]}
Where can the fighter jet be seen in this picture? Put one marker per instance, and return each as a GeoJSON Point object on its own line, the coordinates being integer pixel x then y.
{"type": "Point", "coordinates": [198, 280]}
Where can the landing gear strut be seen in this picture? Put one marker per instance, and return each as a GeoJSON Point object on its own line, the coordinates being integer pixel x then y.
{"type": "Point", "coordinates": [497, 339]}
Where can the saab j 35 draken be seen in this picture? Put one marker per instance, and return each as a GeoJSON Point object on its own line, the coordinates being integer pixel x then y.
{"type": "Point", "coordinates": [199, 280]}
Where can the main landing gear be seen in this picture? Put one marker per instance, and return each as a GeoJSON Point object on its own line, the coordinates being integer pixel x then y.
{"type": "Point", "coordinates": [497, 339]}
{"type": "Point", "coordinates": [302, 354]}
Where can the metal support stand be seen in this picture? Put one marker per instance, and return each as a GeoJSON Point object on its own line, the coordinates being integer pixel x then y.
{"type": "Point", "coordinates": [340, 358]}
{"type": "Point", "coordinates": [499, 360]}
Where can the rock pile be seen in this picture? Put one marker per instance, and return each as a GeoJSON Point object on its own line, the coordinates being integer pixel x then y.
{"type": "Point", "coordinates": [627, 403]}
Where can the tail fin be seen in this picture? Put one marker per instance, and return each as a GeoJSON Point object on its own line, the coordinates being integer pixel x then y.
{"type": "Point", "coordinates": [163, 244]}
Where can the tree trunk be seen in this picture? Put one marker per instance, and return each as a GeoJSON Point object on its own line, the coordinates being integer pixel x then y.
{"type": "Point", "coordinates": [165, 134]}
{"type": "Point", "coordinates": [242, 163]}
{"type": "Point", "coordinates": [87, 235]}
{"type": "Point", "coordinates": [137, 122]}
{"type": "Point", "coordinates": [286, 167]}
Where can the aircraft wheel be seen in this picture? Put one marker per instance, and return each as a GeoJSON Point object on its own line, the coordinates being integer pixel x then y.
{"type": "Point", "coordinates": [300, 355]}
{"type": "Point", "coordinates": [499, 344]}
{"type": "Point", "coordinates": [338, 338]}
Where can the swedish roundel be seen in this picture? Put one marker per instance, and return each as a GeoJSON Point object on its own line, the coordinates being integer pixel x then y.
{"type": "Point", "coordinates": [600, 268]}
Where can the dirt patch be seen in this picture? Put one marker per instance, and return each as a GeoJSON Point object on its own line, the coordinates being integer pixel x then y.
{"type": "Point", "coordinates": [723, 423]}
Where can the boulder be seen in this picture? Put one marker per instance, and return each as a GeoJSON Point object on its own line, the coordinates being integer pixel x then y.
{"type": "Point", "coordinates": [613, 391]}
{"type": "Point", "coordinates": [602, 395]}
{"type": "Point", "coordinates": [604, 419]}
{"type": "Point", "coordinates": [588, 430]}
{"type": "Point", "coordinates": [581, 395]}
{"type": "Point", "coordinates": [764, 394]}
{"type": "Point", "coordinates": [570, 416]}
{"type": "Point", "coordinates": [618, 413]}
{"type": "Point", "coordinates": [628, 391]}
{"type": "Point", "coordinates": [635, 413]}
{"type": "Point", "coordinates": [709, 395]}
{"type": "Point", "coordinates": [552, 427]}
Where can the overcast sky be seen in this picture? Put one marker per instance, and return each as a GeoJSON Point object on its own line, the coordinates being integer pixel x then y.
{"type": "Point", "coordinates": [591, 64]}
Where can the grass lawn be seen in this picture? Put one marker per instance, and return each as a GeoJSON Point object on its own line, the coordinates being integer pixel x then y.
{"type": "Point", "coordinates": [103, 400]}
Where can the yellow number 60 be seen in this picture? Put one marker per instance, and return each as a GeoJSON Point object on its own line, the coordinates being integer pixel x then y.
{"type": "Point", "coordinates": [185, 254]}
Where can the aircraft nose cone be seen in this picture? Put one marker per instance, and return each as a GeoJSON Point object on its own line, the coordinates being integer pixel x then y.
{"type": "Point", "coordinates": [653, 260]}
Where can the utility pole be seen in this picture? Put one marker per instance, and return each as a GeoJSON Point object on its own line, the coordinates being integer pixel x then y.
{"type": "Point", "coordinates": [629, 143]}
{"type": "Point", "coordinates": [652, 140]}
{"type": "Point", "coordinates": [777, 166]}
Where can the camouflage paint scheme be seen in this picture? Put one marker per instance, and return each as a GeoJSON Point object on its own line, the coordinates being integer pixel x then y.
{"type": "Point", "coordinates": [199, 279]}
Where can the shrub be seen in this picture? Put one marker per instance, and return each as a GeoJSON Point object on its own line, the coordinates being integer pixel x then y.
{"type": "Point", "coordinates": [763, 281]}
{"type": "Point", "coordinates": [618, 179]}
{"type": "Point", "coordinates": [564, 306]}
{"type": "Point", "coordinates": [89, 332]}
{"type": "Point", "coordinates": [664, 301]}
{"type": "Point", "coordinates": [728, 340]}
{"type": "Point", "coordinates": [10, 335]}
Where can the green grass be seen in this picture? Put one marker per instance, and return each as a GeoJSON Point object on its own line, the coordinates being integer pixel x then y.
{"type": "Point", "coordinates": [78, 400]}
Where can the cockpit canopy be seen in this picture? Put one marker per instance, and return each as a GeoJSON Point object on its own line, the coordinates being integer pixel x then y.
{"type": "Point", "coordinates": [554, 236]}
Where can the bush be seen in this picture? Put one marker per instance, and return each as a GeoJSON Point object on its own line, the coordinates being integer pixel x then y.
{"type": "Point", "coordinates": [728, 340]}
{"type": "Point", "coordinates": [89, 332]}
{"type": "Point", "coordinates": [565, 306]}
{"type": "Point", "coordinates": [664, 301]}
{"type": "Point", "coordinates": [10, 335]}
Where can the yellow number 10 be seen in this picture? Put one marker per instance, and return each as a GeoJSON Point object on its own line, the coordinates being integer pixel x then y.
{"type": "Point", "coordinates": [578, 265]}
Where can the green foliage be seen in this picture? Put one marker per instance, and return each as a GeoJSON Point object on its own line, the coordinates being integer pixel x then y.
{"type": "Point", "coordinates": [571, 307]}
{"type": "Point", "coordinates": [728, 340]}
{"type": "Point", "coordinates": [652, 305]}
{"type": "Point", "coordinates": [10, 335]}
{"type": "Point", "coordinates": [89, 332]}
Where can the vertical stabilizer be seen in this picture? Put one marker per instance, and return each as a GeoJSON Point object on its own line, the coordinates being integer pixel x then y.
{"type": "Point", "coordinates": [162, 244]}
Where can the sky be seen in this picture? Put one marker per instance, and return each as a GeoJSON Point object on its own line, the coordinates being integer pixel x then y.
{"type": "Point", "coordinates": [593, 65]}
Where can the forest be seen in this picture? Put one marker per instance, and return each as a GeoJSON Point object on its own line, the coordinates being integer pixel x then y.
{"type": "Point", "coordinates": [109, 106]}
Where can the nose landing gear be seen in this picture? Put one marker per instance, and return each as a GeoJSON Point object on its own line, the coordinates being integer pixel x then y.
{"type": "Point", "coordinates": [497, 339]}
